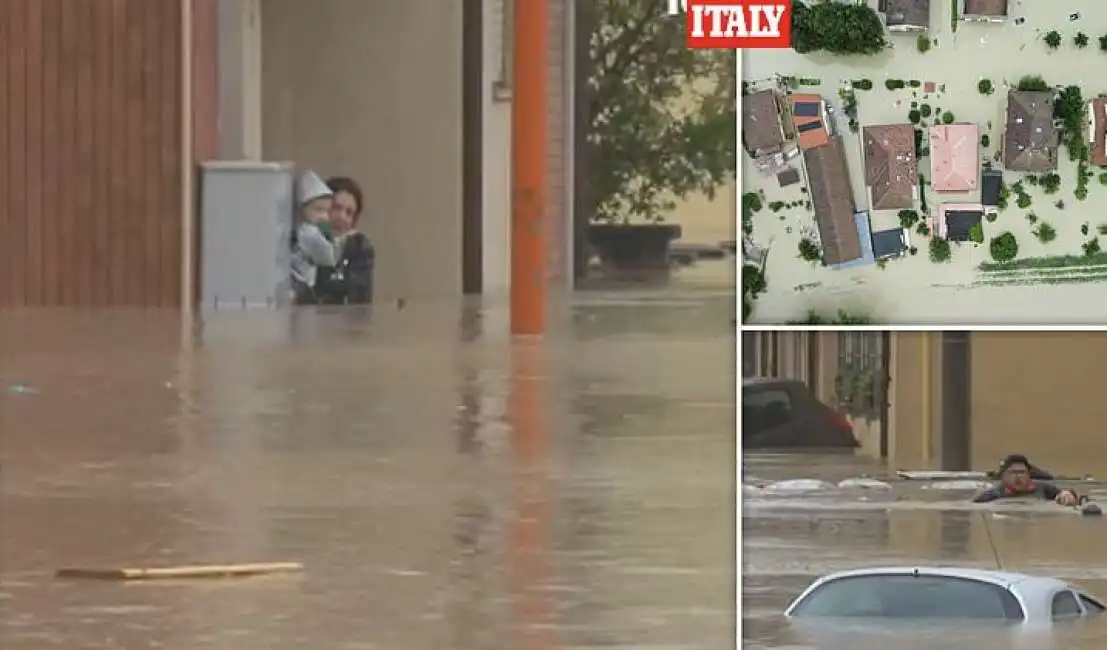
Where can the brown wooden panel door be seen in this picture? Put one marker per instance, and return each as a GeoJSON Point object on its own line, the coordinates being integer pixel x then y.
{"type": "Point", "coordinates": [90, 152]}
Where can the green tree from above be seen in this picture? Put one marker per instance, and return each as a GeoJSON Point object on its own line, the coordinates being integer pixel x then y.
{"type": "Point", "coordinates": [834, 27]}
{"type": "Point", "coordinates": [1053, 39]}
{"type": "Point", "coordinates": [1004, 247]}
{"type": "Point", "coordinates": [1032, 82]}
{"type": "Point", "coordinates": [1103, 43]}
{"type": "Point", "coordinates": [661, 116]}
{"type": "Point", "coordinates": [809, 250]}
{"type": "Point", "coordinates": [1045, 232]}
{"type": "Point", "coordinates": [1080, 40]}
{"type": "Point", "coordinates": [976, 233]}
{"type": "Point", "coordinates": [923, 43]}
{"type": "Point", "coordinates": [1050, 182]}
{"type": "Point", "coordinates": [940, 251]}
{"type": "Point", "coordinates": [985, 87]}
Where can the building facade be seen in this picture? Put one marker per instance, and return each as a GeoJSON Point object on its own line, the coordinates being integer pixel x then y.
{"type": "Point", "coordinates": [953, 400]}
{"type": "Point", "coordinates": [109, 106]}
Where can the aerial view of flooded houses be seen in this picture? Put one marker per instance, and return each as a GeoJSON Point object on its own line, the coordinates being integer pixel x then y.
{"type": "Point", "coordinates": [918, 161]}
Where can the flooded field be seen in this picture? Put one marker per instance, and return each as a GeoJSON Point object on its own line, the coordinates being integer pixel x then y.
{"type": "Point", "coordinates": [442, 488]}
{"type": "Point", "coordinates": [789, 540]}
{"type": "Point", "coordinates": [914, 289]}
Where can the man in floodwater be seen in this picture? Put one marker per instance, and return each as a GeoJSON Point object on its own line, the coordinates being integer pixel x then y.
{"type": "Point", "coordinates": [1016, 481]}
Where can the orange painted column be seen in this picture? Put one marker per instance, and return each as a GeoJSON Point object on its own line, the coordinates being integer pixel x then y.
{"type": "Point", "coordinates": [532, 610]}
{"type": "Point", "coordinates": [528, 168]}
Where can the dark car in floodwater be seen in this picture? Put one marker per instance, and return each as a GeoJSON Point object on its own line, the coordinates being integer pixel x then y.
{"type": "Point", "coordinates": [786, 414]}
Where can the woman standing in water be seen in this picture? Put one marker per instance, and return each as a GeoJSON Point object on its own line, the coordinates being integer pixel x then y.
{"type": "Point", "coordinates": [312, 247]}
{"type": "Point", "coordinates": [351, 279]}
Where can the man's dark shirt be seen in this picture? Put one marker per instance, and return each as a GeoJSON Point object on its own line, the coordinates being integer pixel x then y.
{"type": "Point", "coordinates": [1040, 489]}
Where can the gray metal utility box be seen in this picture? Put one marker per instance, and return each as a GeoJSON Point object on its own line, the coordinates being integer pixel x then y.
{"type": "Point", "coordinates": [246, 212]}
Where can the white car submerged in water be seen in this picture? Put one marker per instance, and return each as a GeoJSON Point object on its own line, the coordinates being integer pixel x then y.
{"type": "Point", "coordinates": [935, 594]}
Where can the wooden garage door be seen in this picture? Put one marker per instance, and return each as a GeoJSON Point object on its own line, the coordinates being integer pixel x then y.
{"type": "Point", "coordinates": [90, 152]}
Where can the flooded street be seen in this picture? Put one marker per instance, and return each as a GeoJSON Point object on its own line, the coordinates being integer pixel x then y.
{"type": "Point", "coordinates": [442, 488]}
{"type": "Point", "coordinates": [792, 538]}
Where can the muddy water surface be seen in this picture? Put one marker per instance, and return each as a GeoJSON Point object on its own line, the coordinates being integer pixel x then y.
{"type": "Point", "coordinates": [443, 488]}
{"type": "Point", "coordinates": [791, 540]}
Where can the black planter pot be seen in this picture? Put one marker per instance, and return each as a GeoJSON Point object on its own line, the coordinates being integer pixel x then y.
{"type": "Point", "coordinates": [633, 247]}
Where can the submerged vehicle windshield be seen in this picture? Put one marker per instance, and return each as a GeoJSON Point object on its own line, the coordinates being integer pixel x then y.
{"type": "Point", "coordinates": [909, 596]}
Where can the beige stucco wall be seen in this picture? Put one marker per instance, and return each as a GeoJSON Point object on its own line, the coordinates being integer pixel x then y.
{"type": "Point", "coordinates": [1040, 394]}
{"type": "Point", "coordinates": [1032, 393]}
{"type": "Point", "coordinates": [373, 90]}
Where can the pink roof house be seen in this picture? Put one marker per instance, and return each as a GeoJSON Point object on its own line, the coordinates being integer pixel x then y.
{"type": "Point", "coordinates": [954, 157]}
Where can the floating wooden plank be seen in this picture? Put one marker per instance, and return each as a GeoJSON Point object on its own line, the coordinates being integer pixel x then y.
{"type": "Point", "coordinates": [182, 572]}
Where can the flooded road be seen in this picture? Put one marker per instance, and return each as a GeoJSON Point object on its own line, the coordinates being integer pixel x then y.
{"type": "Point", "coordinates": [790, 539]}
{"type": "Point", "coordinates": [442, 488]}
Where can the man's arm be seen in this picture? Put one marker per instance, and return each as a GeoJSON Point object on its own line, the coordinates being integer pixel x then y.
{"type": "Point", "coordinates": [988, 495]}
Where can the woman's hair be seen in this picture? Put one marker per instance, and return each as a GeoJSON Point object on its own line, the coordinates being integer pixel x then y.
{"type": "Point", "coordinates": [350, 186]}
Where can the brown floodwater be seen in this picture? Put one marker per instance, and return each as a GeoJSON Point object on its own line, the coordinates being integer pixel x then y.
{"type": "Point", "coordinates": [443, 487]}
{"type": "Point", "coordinates": [789, 540]}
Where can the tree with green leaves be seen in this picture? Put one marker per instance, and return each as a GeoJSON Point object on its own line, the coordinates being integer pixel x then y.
{"type": "Point", "coordinates": [1053, 39]}
{"type": "Point", "coordinates": [1033, 82]}
{"type": "Point", "coordinates": [837, 28]}
{"type": "Point", "coordinates": [985, 87]}
{"type": "Point", "coordinates": [809, 251]}
{"type": "Point", "coordinates": [660, 116]}
{"type": "Point", "coordinates": [940, 251]}
{"type": "Point", "coordinates": [1004, 247]}
{"type": "Point", "coordinates": [1080, 40]}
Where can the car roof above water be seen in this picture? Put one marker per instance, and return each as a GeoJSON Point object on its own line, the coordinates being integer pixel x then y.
{"type": "Point", "coordinates": [1001, 578]}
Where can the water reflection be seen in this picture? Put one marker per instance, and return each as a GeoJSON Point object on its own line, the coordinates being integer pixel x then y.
{"type": "Point", "coordinates": [443, 488]}
{"type": "Point", "coordinates": [788, 547]}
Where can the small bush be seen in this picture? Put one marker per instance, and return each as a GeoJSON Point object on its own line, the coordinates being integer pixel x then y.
{"type": "Point", "coordinates": [991, 217]}
{"type": "Point", "coordinates": [1060, 205]}
{"type": "Point", "coordinates": [1045, 233]}
{"type": "Point", "coordinates": [1091, 247]}
{"type": "Point", "coordinates": [976, 233]}
{"type": "Point", "coordinates": [809, 250]}
{"type": "Point", "coordinates": [1102, 228]}
{"type": "Point", "coordinates": [985, 140]}
{"type": "Point", "coordinates": [1085, 228]}
{"type": "Point", "coordinates": [1004, 247]}
{"type": "Point", "coordinates": [1103, 43]}
{"type": "Point", "coordinates": [923, 43]}
{"type": "Point", "coordinates": [1081, 193]}
{"type": "Point", "coordinates": [1103, 178]}
{"type": "Point", "coordinates": [1050, 183]}
{"type": "Point", "coordinates": [985, 87]}
{"type": "Point", "coordinates": [1053, 39]}
{"type": "Point", "coordinates": [939, 250]}
{"type": "Point", "coordinates": [1033, 82]}
{"type": "Point", "coordinates": [908, 218]}
{"type": "Point", "coordinates": [925, 110]}
{"type": "Point", "coordinates": [923, 229]}
{"type": "Point", "coordinates": [1080, 40]}
{"type": "Point", "coordinates": [894, 84]}
{"type": "Point", "coordinates": [751, 202]}
{"type": "Point", "coordinates": [914, 117]}
{"type": "Point", "coordinates": [863, 84]}
{"type": "Point", "coordinates": [947, 118]}
{"type": "Point", "coordinates": [914, 83]}
{"type": "Point", "coordinates": [1024, 201]}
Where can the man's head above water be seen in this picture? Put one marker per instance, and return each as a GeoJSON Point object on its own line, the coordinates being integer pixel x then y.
{"type": "Point", "coordinates": [1014, 471]}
